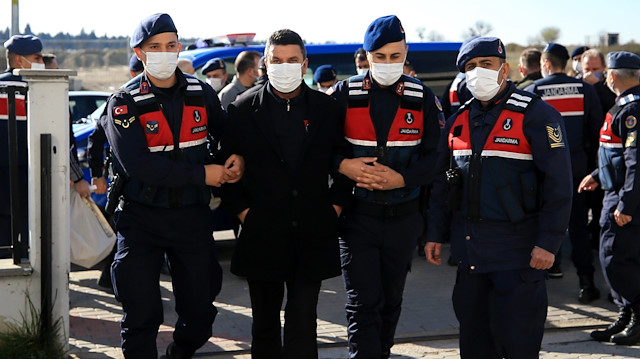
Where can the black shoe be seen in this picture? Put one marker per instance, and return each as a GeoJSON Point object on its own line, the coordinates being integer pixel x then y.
{"type": "Point", "coordinates": [588, 291]}
{"type": "Point", "coordinates": [386, 354]}
{"type": "Point", "coordinates": [631, 334]}
{"type": "Point", "coordinates": [176, 352]}
{"type": "Point", "coordinates": [555, 271]}
{"type": "Point", "coordinates": [624, 317]}
{"type": "Point", "coordinates": [105, 280]}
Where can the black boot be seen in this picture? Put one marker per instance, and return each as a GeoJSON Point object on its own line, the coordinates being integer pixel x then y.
{"type": "Point", "coordinates": [624, 317]}
{"type": "Point", "coordinates": [588, 291]}
{"type": "Point", "coordinates": [176, 352]}
{"type": "Point", "coordinates": [631, 334]}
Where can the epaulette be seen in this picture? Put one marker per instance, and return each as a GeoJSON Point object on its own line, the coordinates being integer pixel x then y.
{"type": "Point", "coordinates": [411, 91]}
{"type": "Point", "coordinates": [519, 100]}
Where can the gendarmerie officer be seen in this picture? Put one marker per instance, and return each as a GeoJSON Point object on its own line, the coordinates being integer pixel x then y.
{"type": "Point", "coordinates": [581, 112]}
{"type": "Point", "coordinates": [508, 197]}
{"type": "Point", "coordinates": [392, 125]}
{"type": "Point", "coordinates": [23, 51]}
{"type": "Point", "coordinates": [619, 178]}
{"type": "Point", "coordinates": [157, 127]}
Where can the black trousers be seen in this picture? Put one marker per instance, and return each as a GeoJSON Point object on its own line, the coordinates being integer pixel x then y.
{"type": "Point", "coordinates": [300, 316]}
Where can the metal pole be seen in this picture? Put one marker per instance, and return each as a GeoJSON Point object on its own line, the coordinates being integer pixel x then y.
{"type": "Point", "coordinates": [46, 230]}
{"type": "Point", "coordinates": [15, 25]}
{"type": "Point", "coordinates": [14, 183]}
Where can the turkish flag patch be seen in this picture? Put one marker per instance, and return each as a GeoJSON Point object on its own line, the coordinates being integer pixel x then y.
{"type": "Point", "coordinates": [120, 110]}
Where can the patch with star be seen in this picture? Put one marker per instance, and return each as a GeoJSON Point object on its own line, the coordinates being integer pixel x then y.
{"type": "Point", "coordinates": [125, 123]}
{"type": "Point", "coordinates": [554, 135]}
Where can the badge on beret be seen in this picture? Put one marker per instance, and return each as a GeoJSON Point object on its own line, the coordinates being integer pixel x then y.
{"type": "Point", "coordinates": [630, 122]}
{"type": "Point", "coordinates": [500, 51]}
{"type": "Point", "coordinates": [631, 139]}
{"type": "Point", "coordinates": [554, 134]}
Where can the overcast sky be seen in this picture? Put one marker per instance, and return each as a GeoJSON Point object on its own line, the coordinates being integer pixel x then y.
{"type": "Point", "coordinates": [338, 21]}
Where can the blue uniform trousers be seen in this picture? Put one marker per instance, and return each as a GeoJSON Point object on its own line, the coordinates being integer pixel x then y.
{"type": "Point", "coordinates": [620, 260]}
{"type": "Point", "coordinates": [145, 235]}
{"type": "Point", "coordinates": [581, 249]}
{"type": "Point", "coordinates": [501, 314]}
{"type": "Point", "coordinates": [376, 254]}
{"type": "Point", "coordinates": [300, 316]}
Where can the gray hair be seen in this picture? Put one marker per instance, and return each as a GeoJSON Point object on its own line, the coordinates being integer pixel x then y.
{"type": "Point", "coordinates": [627, 74]}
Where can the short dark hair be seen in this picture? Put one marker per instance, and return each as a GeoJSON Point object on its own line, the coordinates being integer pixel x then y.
{"type": "Point", "coordinates": [286, 37]}
{"type": "Point", "coordinates": [530, 59]}
{"type": "Point", "coordinates": [556, 61]}
{"type": "Point", "coordinates": [246, 60]}
{"type": "Point", "coordinates": [360, 54]}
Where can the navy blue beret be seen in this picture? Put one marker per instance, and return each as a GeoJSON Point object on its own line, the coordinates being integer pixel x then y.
{"type": "Point", "coordinates": [480, 47]}
{"type": "Point", "coordinates": [325, 73]}
{"type": "Point", "coordinates": [382, 31]}
{"type": "Point", "coordinates": [135, 64]}
{"type": "Point", "coordinates": [623, 60]}
{"type": "Point", "coordinates": [213, 64]}
{"type": "Point", "coordinates": [23, 44]}
{"type": "Point", "coordinates": [579, 51]}
{"type": "Point", "coordinates": [557, 50]}
{"type": "Point", "coordinates": [152, 25]}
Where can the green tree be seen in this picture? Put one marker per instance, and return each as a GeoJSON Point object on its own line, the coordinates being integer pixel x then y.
{"type": "Point", "coordinates": [550, 34]}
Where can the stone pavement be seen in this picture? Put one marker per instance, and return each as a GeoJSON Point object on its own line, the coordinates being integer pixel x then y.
{"type": "Point", "coordinates": [427, 329]}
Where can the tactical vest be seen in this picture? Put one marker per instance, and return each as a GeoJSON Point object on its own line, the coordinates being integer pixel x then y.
{"type": "Point", "coordinates": [499, 183]}
{"type": "Point", "coordinates": [454, 99]}
{"type": "Point", "coordinates": [189, 146]}
{"type": "Point", "coordinates": [611, 167]}
{"type": "Point", "coordinates": [403, 140]}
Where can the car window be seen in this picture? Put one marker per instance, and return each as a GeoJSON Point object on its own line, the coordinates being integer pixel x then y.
{"type": "Point", "coordinates": [82, 106]}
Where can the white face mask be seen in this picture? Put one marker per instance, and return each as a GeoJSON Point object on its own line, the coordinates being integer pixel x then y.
{"type": "Point", "coordinates": [577, 67]}
{"type": "Point", "coordinates": [361, 71]}
{"type": "Point", "coordinates": [386, 74]}
{"type": "Point", "coordinates": [285, 77]}
{"type": "Point", "coordinates": [34, 65]}
{"type": "Point", "coordinates": [161, 65]}
{"type": "Point", "coordinates": [216, 83]}
{"type": "Point", "coordinates": [483, 83]}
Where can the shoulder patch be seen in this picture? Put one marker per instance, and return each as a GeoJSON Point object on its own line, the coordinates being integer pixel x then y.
{"type": "Point", "coordinates": [630, 122]}
{"type": "Point", "coordinates": [125, 123]}
{"type": "Point", "coordinates": [632, 139]}
{"type": "Point", "coordinates": [554, 135]}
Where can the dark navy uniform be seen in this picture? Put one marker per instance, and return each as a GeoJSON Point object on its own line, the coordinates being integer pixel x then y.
{"type": "Point", "coordinates": [159, 139]}
{"type": "Point", "coordinates": [8, 79]}
{"type": "Point", "coordinates": [398, 124]}
{"type": "Point", "coordinates": [517, 191]}
{"type": "Point", "coordinates": [580, 108]}
{"type": "Point", "coordinates": [165, 209]}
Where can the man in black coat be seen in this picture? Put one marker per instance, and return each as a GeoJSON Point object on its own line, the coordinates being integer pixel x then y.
{"type": "Point", "coordinates": [289, 199]}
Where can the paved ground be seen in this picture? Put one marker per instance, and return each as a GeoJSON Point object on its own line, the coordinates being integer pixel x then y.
{"type": "Point", "coordinates": [427, 327]}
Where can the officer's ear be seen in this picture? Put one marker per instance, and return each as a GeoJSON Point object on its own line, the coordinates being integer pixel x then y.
{"type": "Point", "coordinates": [507, 69]}
{"type": "Point", "coordinates": [139, 53]}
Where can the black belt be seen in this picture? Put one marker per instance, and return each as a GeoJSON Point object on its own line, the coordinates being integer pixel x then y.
{"type": "Point", "coordinates": [386, 210]}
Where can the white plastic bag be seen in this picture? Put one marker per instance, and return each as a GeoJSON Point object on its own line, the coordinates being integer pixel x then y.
{"type": "Point", "coordinates": [91, 235]}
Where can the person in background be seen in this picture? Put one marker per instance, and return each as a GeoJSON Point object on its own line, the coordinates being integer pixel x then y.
{"type": "Point", "coordinates": [576, 61]}
{"type": "Point", "coordinates": [262, 72]}
{"type": "Point", "coordinates": [246, 66]}
{"type": "Point", "coordinates": [620, 219]}
{"type": "Point", "coordinates": [408, 69]}
{"type": "Point", "coordinates": [158, 126]}
{"type": "Point", "coordinates": [529, 67]}
{"type": "Point", "coordinates": [216, 72]}
{"type": "Point", "coordinates": [503, 192]}
{"type": "Point", "coordinates": [578, 104]}
{"type": "Point", "coordinates": [325, 77]}
{"type": "Point", "coordinates": [186, 66]}
{"type": "Point", "coordinates": [392, 124]}
{"type": "Point", "coordinates": [50, 61]}
{"type": "Point", "coordinates": [360, 59]}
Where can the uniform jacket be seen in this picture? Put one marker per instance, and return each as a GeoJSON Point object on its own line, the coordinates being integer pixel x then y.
{"type": "Point", "coordinates": [128, 139]}
{"type": "Point", "coordinates": [623, 131]}
{"type": "Point", "coordinates": [291, 224]}
{"type": "Point", "coordinates": [489, 244]}
{"type": "Point", "coordinates": [384, 104]}
{"type": "Point", "coordinates": [579, 105]}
